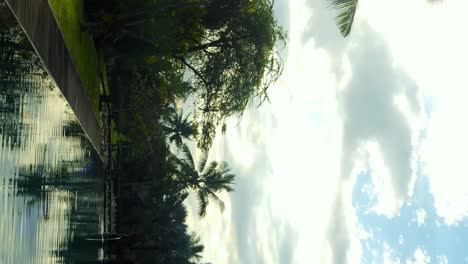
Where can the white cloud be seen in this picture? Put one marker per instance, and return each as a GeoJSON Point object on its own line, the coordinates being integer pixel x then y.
{"type": "Point", "coordinates": [286, 155]}
{"type": "Point", "coordinates": [389, 255]}
{"type": "Point", "coordinates": [305, 146]}
{"type": "Point", "coordinates": [444, 153]}
{"type": "Point", "coordinates": [246, 232]}
{"type": "Point", "coordinates": [442, 259]}
{"type": "Point", "coordinates": [419, 257]}
{"type": "Point", "coordinates": [214, 250]}
{"type": "Point", "coordinates": [436, 60]}
{"type": "Point", "coordinates": [420, 216]}
{"type": "Point", "coordinates": [382, 110]}
{"type": "Point", "coordinates": [343, 234]}
{"type": "Point", "coordinates": [377, 122]}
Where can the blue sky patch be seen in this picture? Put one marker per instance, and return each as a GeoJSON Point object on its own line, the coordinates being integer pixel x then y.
{"type": "Point", "coordinates": [402, 232]}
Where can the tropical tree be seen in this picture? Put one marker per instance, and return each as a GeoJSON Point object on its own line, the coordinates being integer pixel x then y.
{"type": "Point", "coordinates": [146, 27]}
{"type": "Point", "coordinates": [345, 11]}
{"type": "Point", "coordinates": [207, 180]}
{"type": "Point", "coordinates": [235, 64]}
{"type": "Point", "coordinates": [177, 127]}
{"type": "Point", "coordinates": [228, 49]}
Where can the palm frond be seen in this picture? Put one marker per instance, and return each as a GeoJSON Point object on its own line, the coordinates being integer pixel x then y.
{"type": "Point", "coordinates": [217, 200]}
{"type": "Point", "coordinates": [176, 138]}
{"type": "Point", "coordinates": [202, 203]}
{"type": "Point", "coordinates": [180, 199]}
{"type": "Point", "coordinates": [434, 2]}
{"type": "Point", "coordinates": [224, 167]}
{"type": "Point", "coordinates": [188, 156]}
{"type": "Point", "coordinates": [178, 127]}
{"type": "Point", "coordinates": [172, 111]}
{"type": "Point", "coordinates": [196, 246]}
{"type": "Point", "coordinates": [210, 169]}
{"type": "Point", "coordinates": [345, 11]}
{"type": "Point", "coordinates": [228, 181]}
{"type": "Point", "coordinates": [202, 161]}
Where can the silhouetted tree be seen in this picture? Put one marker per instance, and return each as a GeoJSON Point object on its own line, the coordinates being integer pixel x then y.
{"type": "Point", "coordinates": [207, 180]}
{"type": "Point", "coordinates": [178, 127]}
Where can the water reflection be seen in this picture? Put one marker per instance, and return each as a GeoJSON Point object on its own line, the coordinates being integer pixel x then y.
{"type": "Point", "coordinates": [50, 184]}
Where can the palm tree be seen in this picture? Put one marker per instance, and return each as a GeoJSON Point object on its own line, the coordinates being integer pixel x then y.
{"type": "Point", "coordinates": [206, 179]}
{"type": "Point", "coordinates": [345, 11]}
{"type": "Point", "coordinates": [177, 127]}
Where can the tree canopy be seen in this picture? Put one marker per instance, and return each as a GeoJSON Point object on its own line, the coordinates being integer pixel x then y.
{"type": "Point", "coordinates": [228, 48]}
{"type": "Point", "coordinates": [211, 58]}
{"type": "Point", "coordinates": [235, 64]}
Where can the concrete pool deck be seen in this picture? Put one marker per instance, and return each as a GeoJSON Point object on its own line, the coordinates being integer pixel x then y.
{"type": "Point", "coordinates": [39, 25]}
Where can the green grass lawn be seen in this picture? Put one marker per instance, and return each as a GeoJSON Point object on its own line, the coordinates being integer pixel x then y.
{"type": "Point", "coordinates": [69, 14]}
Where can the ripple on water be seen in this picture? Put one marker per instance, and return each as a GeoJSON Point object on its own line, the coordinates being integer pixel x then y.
{"type": "Point", "coordinates": [50, 184]}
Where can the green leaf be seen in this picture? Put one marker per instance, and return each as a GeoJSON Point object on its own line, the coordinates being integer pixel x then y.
{"type": "Point", "coordinates": [202, 161]}
{"type": "Point", "coordinates": [188, 156]}
{"type": "Point", "coordinates": [202, 203]}
{"type": "Point", "coordinates": [345, 11]}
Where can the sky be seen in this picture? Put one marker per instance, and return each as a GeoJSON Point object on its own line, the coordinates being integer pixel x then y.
{"type": "Point", "coordinates": [360, 156]}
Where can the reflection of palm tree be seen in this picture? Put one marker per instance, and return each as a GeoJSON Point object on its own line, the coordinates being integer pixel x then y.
{"type": "Point", "coordinates": [345, 11]}
{"type": "Point", "coordinates": [205, 179]}
{"type": "Point", "coordinates": [178, 127]}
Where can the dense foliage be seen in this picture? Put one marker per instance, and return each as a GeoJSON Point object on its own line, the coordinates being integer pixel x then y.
{"type": "Point", "coordinates": [222, 52]}
{"type": "Point", "coordinates": [178, 70]}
